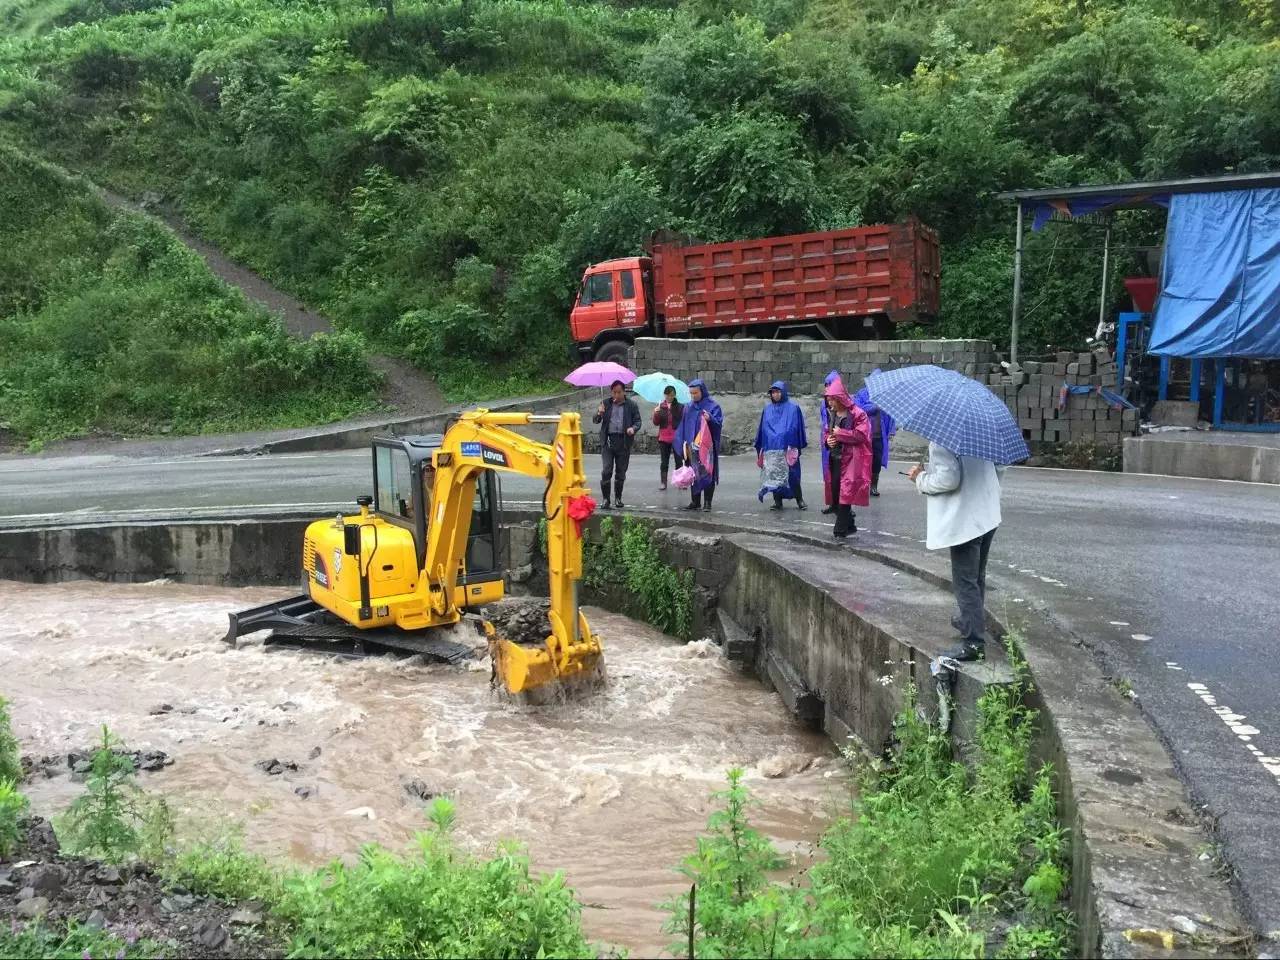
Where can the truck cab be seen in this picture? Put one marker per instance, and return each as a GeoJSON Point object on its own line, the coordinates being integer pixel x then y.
{"type": "Point", "coordinates": [614, 306]}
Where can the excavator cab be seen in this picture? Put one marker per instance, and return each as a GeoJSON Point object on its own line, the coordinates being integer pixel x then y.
{"type": "Point", "coordinates": [403, 483]}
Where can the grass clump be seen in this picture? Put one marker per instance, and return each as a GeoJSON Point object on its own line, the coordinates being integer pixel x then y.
{"type": "Point", "coordinates": [933, 860]}
{"type": "Point", "coordinates": [224, 869]}
{"type": "Point", "coordinates": [34, 941]}
{"type": "Point", "coordinates": [437, 901]}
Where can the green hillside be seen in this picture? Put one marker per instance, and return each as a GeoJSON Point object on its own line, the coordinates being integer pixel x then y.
{"type": "Point", "coordinates": [108, 322]}
{"type": "Point", "coordinates": [435, 175]}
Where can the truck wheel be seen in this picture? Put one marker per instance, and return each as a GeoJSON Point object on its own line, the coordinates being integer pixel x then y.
{"type": "Point", "coordinates": [615, 351]}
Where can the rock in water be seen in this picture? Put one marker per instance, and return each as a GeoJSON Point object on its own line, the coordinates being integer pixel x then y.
{"type": "Point", "coordinates": [784, 765]}
{"type": "Point", "coordinates": [418, 788]}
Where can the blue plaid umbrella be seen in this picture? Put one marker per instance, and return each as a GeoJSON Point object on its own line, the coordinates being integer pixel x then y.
{"type": "Point", "coordinates": [953, 411]}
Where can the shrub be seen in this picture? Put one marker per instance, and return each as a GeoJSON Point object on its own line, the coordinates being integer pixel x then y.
{"type": "Point", "coordinates": [105, 821]}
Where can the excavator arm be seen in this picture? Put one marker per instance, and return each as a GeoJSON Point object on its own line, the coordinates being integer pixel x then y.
{"type": "Point", "coordinates": [479, 441]}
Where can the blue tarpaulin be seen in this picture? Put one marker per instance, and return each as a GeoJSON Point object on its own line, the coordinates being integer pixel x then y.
{"type": "Point", "coordinates": [1221, 290]}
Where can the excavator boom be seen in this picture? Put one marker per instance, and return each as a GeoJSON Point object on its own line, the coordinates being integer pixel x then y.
{"type": "Point", "coordinates": [478, 441]}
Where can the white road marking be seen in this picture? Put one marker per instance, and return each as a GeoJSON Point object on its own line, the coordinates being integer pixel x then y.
{"type": "Point", "coordinates": [1119, 623]}
{"type": "Point", "coordinates": [1235, 722]}
{"type": "Point", "coordinates": [1141, 636]}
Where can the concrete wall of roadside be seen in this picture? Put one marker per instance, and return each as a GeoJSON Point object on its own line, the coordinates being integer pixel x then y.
{"type": "Point", "coordinates": [1238, 460]}
{"type": "Point", "coordinates": [843, 638]}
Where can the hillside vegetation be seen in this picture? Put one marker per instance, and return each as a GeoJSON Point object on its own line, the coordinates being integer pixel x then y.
{"type": "Point", "coordinates": [435, 175]}
{"type": "Point", "coordinates": [108, 322]}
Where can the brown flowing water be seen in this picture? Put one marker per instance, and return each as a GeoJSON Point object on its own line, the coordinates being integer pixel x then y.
{"type": "Point", "coordinates": [612, 790]}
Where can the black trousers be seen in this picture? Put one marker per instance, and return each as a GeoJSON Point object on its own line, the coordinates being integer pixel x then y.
{"type": "Point", "coordinates": [701, 496]}
{"type": "Point", "coordinates": [845, 516]}
{"type": "Point", "coordinates": [615, 455]}
{"type": "Point", "coordinates": [969, 583]}
{"type": "Point", "coordinates": [795, 492]}
{"type": "Point", "coordinates": [668, 451]}
{"type": "Point", "coordinates": [876, 464]}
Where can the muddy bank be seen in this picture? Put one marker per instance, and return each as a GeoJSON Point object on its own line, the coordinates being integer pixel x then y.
{"type": "Point", "coordinates": [129, 902]}
{"type": "Point", "coordinates": [313, 756]}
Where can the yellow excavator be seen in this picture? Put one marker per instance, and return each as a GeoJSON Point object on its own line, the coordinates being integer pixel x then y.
{"type": "Point", "coordinates": [425, 548]}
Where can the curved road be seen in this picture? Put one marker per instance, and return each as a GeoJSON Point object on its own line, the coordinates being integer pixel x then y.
{"type": "Point", "coordinates": [1172, 582]}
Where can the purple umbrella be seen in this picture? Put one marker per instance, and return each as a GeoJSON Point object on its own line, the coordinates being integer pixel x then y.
{"type": "Point", "coordinates": [599, 373]}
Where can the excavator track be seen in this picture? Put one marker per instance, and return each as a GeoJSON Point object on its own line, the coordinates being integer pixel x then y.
{"type": "Point", "coordinates": [300, 623]}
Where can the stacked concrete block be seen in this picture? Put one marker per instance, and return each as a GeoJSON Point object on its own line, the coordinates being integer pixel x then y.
{"type": "Point", "coordinates": [748, 366]}
{"type": "Point", "coordinates": [1032, 396]}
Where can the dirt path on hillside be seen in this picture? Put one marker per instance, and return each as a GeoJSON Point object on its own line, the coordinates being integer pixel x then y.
{"type": "Point", "coordinates": [405, 389]}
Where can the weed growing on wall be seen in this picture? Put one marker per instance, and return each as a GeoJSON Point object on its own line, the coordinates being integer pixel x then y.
{"type": "Point", "coordinates": [71, 942]}
{"type": "Point", "coordinates": [628, 558]}
{"type": "Point", "coordinates": [932, 859]}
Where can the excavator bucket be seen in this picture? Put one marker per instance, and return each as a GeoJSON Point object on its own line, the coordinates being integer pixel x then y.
{"type": "Point", "coordinates": [523, 668]}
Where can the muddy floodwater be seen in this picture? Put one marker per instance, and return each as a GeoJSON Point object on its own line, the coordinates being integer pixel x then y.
{"type": "Point", "coordinates": [612, 790]}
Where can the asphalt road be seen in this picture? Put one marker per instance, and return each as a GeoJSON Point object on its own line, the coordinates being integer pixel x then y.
{"type": "Point", "coordinates": [1173, 582]}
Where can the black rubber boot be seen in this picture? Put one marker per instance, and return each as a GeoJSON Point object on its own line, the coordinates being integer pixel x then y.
{"type": "Point", "coordinates": [969, 650]}
{"type": "Point", "coordinates": [617, 495]}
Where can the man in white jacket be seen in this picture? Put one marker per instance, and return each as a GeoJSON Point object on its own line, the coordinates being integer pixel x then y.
{"type": "Point", "coordinates": [963, 514]}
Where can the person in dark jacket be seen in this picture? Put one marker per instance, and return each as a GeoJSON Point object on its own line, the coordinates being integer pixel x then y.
{"type": "Point", "coordinates": [619, 420]}
{"type": "Point", "coordinates": [666, 417]}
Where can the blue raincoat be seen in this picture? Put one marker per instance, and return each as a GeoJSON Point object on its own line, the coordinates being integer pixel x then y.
{"type": "Point", "coordinates": [781, 426]}
{"type": "Point", "coordinates": [826, 423]}
{"type": "Point", "coordinates": [687, 433]}
{"type": "Point", "coordinates": [887, 425]}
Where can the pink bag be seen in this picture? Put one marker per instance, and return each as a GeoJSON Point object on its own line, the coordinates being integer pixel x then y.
{"type": "Point", "coordinates": [684, 477]}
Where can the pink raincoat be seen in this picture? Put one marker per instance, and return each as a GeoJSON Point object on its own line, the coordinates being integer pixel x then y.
{"type": "Point", "coordinates": [855, 453]}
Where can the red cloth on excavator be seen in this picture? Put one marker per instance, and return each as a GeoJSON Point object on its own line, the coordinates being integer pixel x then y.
{"type": "Point", "coordinates": [580, 511]}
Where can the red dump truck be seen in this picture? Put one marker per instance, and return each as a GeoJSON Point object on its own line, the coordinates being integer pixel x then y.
{"type": "Point", "coordinates": [850, 284]}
